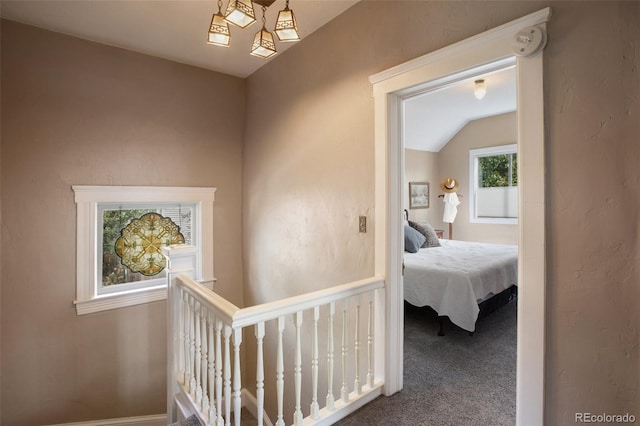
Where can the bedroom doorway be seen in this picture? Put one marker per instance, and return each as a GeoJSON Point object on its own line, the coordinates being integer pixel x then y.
{"type": "Point", "coordinates": [438, 69]}
{"type": "Point", "coordinates": [467, 278]}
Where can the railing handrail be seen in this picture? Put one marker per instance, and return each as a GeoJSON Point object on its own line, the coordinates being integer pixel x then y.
{"type": "Point", "coordinates": [220, 306]}
{"type": "Point", "coordinates": [242, 317]}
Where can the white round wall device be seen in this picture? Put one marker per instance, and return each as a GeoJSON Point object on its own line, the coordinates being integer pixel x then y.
{"type": "Point", "coordinates": [529, 41]}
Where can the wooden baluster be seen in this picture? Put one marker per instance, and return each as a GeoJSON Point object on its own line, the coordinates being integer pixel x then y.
{"type": "Point", "coordinates": [357, 386]}
{"type": "Point", "coordinates": [315, 408]}
{"type": "Point", "coordinates": [218, 368]}
{"type": "Point", "coordinates": [227, 376]}
{"type": "Point", "coordinates": [370, 342]}
{"type": "Point", "coordinates": [297, 415]}
{"type": "Point", "coordinates": [344, 392]}
{"type": "Point", "coordinates": [181, 335]}
{"type": "Point", "coordinates": [330, 349]}
{"type": "Point", "coordinates": [186, 312]}
{"type": "Point", "coordinates": [205, 360]}
{"type": "Point", "coordinates": [211, 370]}
{"type": "Point", "coordinates": [198, 353]}
{"type": "Point", "coordinates": [260, 373]}
{"type": "Point", "coordinates": [237, 378]}
{"type": "Point", "coordinates": [280, 373]}
{"type": "Point", "coordinates": [192, 346]}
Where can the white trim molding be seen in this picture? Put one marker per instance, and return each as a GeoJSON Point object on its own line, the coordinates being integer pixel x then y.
{"type": "Point", "coordinates": [152, 420]}
{"type": "Point", "coordinates": [445, 66]}
{"type": "Point", "coordinates": [88, 236]}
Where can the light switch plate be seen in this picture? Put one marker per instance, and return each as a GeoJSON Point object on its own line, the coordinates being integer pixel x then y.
{"type": "Point", "coordinates": [362, 224]}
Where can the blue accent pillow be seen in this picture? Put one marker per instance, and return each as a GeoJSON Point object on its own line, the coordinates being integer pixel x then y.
{"type": "Point", "coordinates": [413, 239]}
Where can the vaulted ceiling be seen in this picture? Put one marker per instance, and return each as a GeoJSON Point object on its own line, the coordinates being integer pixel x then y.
{"type": "Point", "coordinates": [170, 29]}
{"type": "Point", "coordinates": [433, 118]}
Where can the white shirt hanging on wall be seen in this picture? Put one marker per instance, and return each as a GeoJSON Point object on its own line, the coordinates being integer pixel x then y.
{"type": "Point", "coordinates": [451, 202]}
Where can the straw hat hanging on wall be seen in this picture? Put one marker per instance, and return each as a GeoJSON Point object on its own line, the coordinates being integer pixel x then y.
{"type": "Point", "coordinates": [449, 185]}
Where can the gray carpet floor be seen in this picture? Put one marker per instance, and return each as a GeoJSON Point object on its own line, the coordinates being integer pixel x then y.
{"type": "Point", "coordinates": [455, 380]}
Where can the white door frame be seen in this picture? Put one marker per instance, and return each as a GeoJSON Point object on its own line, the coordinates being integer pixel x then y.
{"type": "Point", "coordinates": [438, 68]}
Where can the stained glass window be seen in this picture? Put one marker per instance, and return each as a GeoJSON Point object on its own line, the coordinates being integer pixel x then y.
{"type": "Point", "coordinates": [140, 243]}
{"type": "Point", "coordinates": [132, 237]}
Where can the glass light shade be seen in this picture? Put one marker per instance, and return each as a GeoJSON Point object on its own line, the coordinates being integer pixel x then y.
{"type": "Point", "coordinates": [240, 13]}
{"type": "Point", "coordinates": [479, 89]}
{"type": "Point", "coordinates": [219, 31]}
{"type": "Point", "coordinates": [286, 26]}
{"type": "Point", "coordinates": [263, 44]}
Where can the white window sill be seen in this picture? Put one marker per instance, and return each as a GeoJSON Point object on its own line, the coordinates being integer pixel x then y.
{"type": "Point", "coordinates": [495, 220]}
{"type": "Point", "coordinates": [121, 300]}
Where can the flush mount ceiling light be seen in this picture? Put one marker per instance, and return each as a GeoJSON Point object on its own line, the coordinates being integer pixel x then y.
{"type": "Point", "coordinates": [263, 44]}
{"type": "Point", "coordinates": [241, 13]}
{"type": "Point", "coordinates": [219, 34]}
{"type": "Point", "coordinates": [286, 26]}
{"type": "Point", "coordinates": [479, 88]}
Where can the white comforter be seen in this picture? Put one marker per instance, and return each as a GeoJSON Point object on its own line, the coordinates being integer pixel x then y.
{"type": "Point", "coordinates": [454, 278]}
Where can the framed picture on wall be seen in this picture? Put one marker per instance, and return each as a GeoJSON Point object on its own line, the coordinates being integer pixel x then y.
{"type": "Point", "coordinates": [418, 195]}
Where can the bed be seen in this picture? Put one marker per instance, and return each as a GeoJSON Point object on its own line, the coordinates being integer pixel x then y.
{"type": "Point", "coordinates": [459, 278]}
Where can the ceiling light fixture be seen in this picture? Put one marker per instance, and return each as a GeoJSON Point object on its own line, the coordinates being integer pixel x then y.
{"type": "Point", "coordinates": [263, 44]}
{"type": "Point", "coordinates": [286, 27]}
{"type": "Point", "coordinates": [479, 88]}
{"type": "Point", "coordinates": [219, 34]}
{"type": "Point", "coordinates": [241, 13]}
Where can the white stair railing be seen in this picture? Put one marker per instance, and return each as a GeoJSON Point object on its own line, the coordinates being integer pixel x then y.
{"type": "Point", "coordinates": [205, 344]}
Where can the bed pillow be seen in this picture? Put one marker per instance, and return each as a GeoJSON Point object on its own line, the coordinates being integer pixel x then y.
{"type": "Point", "coordinates": [424, 228]}
{"type": "Point", "coordinates": [413, 239]}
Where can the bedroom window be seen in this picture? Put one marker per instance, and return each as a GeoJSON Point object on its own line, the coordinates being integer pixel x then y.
{"type": "Point", "coordinates": [494, 184]}
{"type": "Point", "coordinates": [120, 235]}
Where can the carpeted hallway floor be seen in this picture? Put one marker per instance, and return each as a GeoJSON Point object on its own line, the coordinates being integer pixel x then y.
{"type": "Point", "coordinates": [455, 380]}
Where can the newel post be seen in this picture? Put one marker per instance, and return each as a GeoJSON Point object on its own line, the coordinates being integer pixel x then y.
{"type": "Point", "coordinates": [181, 259]}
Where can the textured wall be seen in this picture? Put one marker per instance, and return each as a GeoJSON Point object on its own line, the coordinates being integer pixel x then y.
{"type": "Point", "coordinates": [75, 112]}
{"type": "Point", "coordinates": [309, 172]}
{"type": "Point", "coordinates": [593, 132]}
{"type": "Point", "coordinates": [453, 160]}
{"type": "Point", "coordinates": [0, 221]}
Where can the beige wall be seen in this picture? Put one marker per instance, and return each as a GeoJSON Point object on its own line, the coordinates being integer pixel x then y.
{"type": "Point", "coordinates": [593, 128]}
{"type": "Point", "coordinates": [70, 108]}
{"type": "Point", "coordinates": [423, 166]}
{"type": "Point", "coordinates": [453, 161]}
{"type": "Point", "coordinates": [75, 112]}
{"type": "Point", "coordinates": [0, 223]}
{"type": "Point", "coordinates": [309, 173]}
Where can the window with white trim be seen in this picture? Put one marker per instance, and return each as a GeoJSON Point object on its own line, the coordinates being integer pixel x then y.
{"type": "Point", "coordinates": [120, 233]}
{"type": "Point", "coordinates": [494, 184]}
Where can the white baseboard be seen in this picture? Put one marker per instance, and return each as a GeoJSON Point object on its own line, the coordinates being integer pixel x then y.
{"type": "Point", "coordinates": [248, 400]}
{"type": "Point", "coordinates": [154, 420]}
